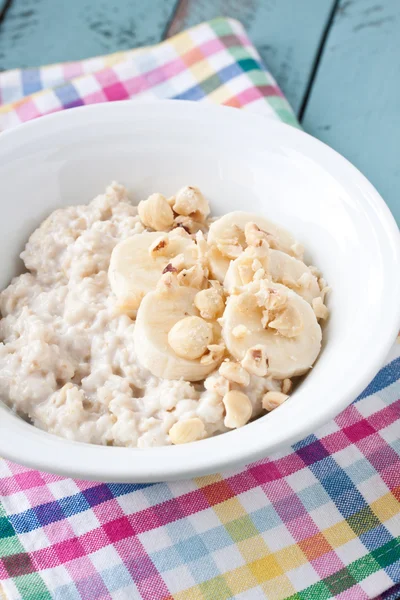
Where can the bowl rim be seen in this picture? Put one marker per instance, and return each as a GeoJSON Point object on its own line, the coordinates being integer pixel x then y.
{"type": "Point", "coordinates": [47, 452]}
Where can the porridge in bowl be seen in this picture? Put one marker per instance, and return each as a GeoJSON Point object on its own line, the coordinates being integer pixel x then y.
{"type": "Point", "coordinates": [154, 324]}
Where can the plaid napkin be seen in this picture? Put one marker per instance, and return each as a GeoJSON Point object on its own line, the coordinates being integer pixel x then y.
{"type": "Point", "coordinates": [316, 521]}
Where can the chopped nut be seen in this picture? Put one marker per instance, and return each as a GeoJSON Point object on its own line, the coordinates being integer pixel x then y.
{"type": "Point", "coordinates": [325, 291]}
{"type": "Point", "coordinates": [219, 385]}
{"type": "Point", "coordinates": [266, 317]}
{"type": "Point", "coordinates": [188, 224]}
{"type": "Point", "coordinates": [169, 269]}
{"type": "Point", "coordinates": [209, 303]}
{"type": "Point", "coordinates": [255, 361]}
{"type": "Point", "coordinates": [178, 262]}
{"type": "Point", "coordinates": [240, 332]}
{"type": "Point", "coordinates": [270, 298]}
{"type": "Point", "coordinates": [159, 246]}
{"type": "Point", "coordinates": [246, 273]}
{"type": "Point", "coordinates": [287, 385]}
{"type": "Point", "coordinates": [156, 213]}
{"type": "Point", "coordinates": [190, 430]}
{"type": "Point", "coordinates": [167, 282]}
{"type": "Point", "coordinates": [320, 310]}
{"type": "Point", "coordinates": [254, 235]}
{"type": "Point", "coordinates": [297, 250]}
{"type": "Point", "coordinates": [190, 337]}
{"type": "Point", "coordinates": [171, 201]}
{"type": "Point", "coordinates": [287, 322]}
{"type": "Point", "coordinates": [234, 372]}
{"type": "Point", "coordinates": [238, 409]}
{"type": "Point", "coordinates": [202, 246]}
{"type": "Point", "coordinates": [189, 201]}
{"type": "Point", "coordinates": [272, 400]}
{"type": "Point", "coordinates": [229, 248]}
{"type": "Point", "coordinates": [194, 277]}
{"type": "Point", "coordinates": [214, 354]}
{"type": "Point", "coordinates": [305, 280]}
{"type": "Point", "coordinates": [314, 271]}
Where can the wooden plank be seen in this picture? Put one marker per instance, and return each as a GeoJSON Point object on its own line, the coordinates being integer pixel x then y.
{"type": "Point", "coordinates": [286, 33]}
{"type": "Point", "coordinates": [354, 103]}
{"type": "Point", "coordinates": [36, 32]}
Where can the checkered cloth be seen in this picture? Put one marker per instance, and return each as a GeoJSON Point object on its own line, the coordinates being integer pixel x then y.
{"type": "Point", "coordinates": [317, 521]}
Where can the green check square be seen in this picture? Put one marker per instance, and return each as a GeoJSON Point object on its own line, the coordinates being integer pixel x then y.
{"type": "Point", "coordinates": [363, 567]}
{"type": "Point", "coordinates": [362, 521]}
{"type": "Point", "coordinates": [221, 26]}
{"type": "Point", "coordinates": [388, 554]}
{"type": "Point", "coordinates": [6, 529]}
{"type": "Point", "coordinates": [211, 83]}
{"type": "Point", "coordinates": [318, 591]}
{"type": "Point", "coordinates": [215, 589]}
{"type": "Point", "coordinates": [10, 545]}
{"type": "Point", "coordinates": [32, 587]}
{"type": "Point", "coordinates": [340, 581]}
{"type": "Point", "coordinates": [241, 529]}
{"type": "Point", "coordinates": [239, 53]}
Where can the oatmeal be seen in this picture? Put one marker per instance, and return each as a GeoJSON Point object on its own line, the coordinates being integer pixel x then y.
{"type": "Point", "coordinates": [153, 324]}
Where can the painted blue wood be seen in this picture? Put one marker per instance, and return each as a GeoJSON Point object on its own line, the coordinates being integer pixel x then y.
{"type": "Point", "coordinates": [354, 104]}
{"type": "Point", "coordinates": [36, 32]}
{"type": "Point", "coordinates": [286, 33]}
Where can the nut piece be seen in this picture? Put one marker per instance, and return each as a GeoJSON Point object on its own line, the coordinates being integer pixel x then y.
{"type": "Point", "coordinates": [219, 385]}
{"type": "Point", "coordinates": [215, 353]}
{"type": "Point", "coordinates": [234, 372]}
{"type": "Point", "coordinates": [256, 361]}
{"type": "Point", "coordinates": [230, 248]}
{"type": "Point", "coordinates": [156, 213]}
{"type": "Point", "coordinates": [190, 337]}
{"type": "Point", "coordinates": [270, 298]}
{"type": "Point", "coordinates": [159, 246]}
{"type": "Point", "coordinates": [238, 409]}
{"type": "Point", "coordinates": [209, 303]}
{"type": "Point", "coordinates": [320, 310]}
{"type": "Point", "coordinates": [187, 431]}
{"type": "Point", "coordinates": [287, 385]}
{"type": "Point", "coordinates": [272, 400]}
{"type": "Point", "coordinates": [240, 332]}
{"type": "Point", "coordinates": [254, 235]}
{"type": "Point", "coordinates": [297, 250]}
{"type": "Point", "coordinates": [288, 322]}
{"type": "Point", "coordinates": [189, 201]}
{"type": "Point", "coordinates": [194, 277]}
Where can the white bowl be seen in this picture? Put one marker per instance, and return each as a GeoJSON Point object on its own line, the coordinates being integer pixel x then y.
{"type": "Point", "coordinates": [240, 161]}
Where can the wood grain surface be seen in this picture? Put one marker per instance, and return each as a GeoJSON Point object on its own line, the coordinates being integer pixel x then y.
{"type": "Point", "coordinates": [286, 33]}
{"type": "Point", "coordinates": [354, 105]}
{"type": "Point", "coordinates": [36, 32]}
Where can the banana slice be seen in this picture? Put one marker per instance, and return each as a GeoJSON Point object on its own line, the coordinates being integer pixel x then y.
{"type": "Point", "coordinates": [137, 264]}
{"type": "Point", "coordinates": [158, 319]}
{"type": "Point", "coordinates": [277, 321]}
{"type": "Point", "coordinates": [227, 239]}
{"type": "Point", "coordinates": [278, 266]}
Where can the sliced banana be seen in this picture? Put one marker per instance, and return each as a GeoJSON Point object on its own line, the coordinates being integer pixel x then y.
{"type": "Point", "coordinates": [137, 263]}
{"type": "Point", "coordinates": [277, 320]}
{"type": "Point", "coordinates": [227, 239]}
{"type": "Point", "coordinates": [278, 266]}
{"type": "Point", "coordinates": [156, 323]}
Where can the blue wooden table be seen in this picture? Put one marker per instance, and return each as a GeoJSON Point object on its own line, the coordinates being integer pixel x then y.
{"type": "Point", "coordinates": [337, 61]}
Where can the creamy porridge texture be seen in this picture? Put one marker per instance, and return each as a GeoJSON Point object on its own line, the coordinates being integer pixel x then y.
{"type": "Point", "coordinates": [153, 324]}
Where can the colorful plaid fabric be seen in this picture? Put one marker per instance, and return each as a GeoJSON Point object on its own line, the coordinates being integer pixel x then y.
{"type": "Point", "coordinates": [317, 521]}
